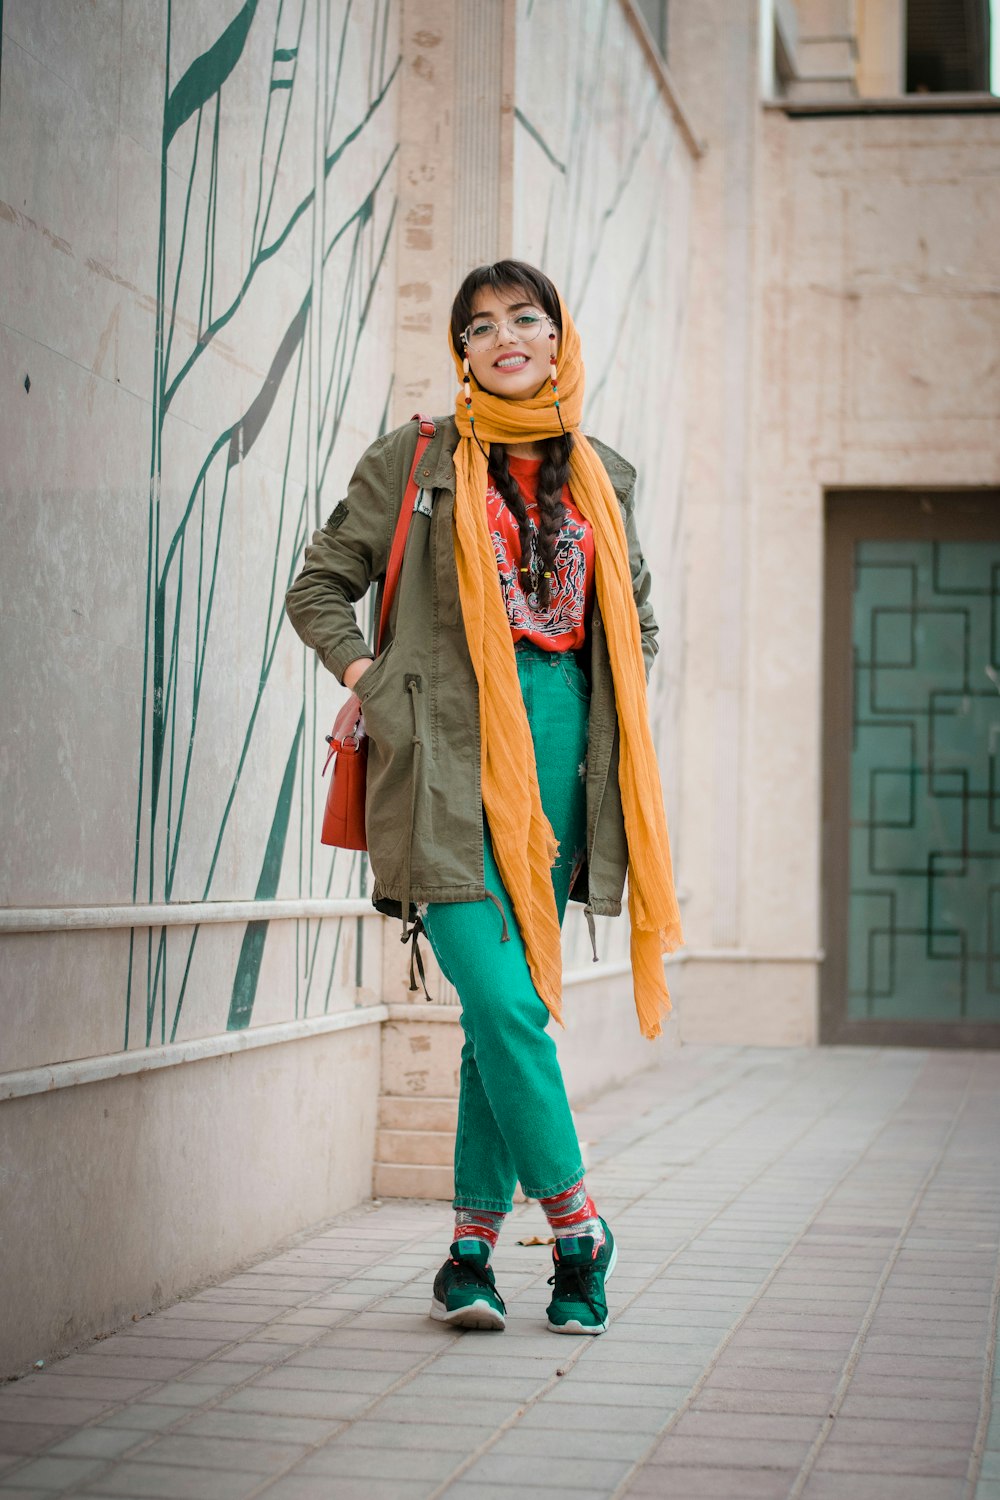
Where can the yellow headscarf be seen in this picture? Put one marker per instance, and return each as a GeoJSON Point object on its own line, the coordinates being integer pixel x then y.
{"type": "Point", "coordinates": [511, 796]}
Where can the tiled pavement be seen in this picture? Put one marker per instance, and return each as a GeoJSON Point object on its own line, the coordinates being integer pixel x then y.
{"type": "Point", "coordinates": [805, 1305]}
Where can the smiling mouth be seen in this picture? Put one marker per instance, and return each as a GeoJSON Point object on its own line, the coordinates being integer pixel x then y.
{"type": "Point", "coordinates": [511, 362]}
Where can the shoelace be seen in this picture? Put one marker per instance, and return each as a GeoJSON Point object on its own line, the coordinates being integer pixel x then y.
{"type": "Point", "coordinates": [571, 1279]}
{"type": "Point", "coordinates": [478, 1274]}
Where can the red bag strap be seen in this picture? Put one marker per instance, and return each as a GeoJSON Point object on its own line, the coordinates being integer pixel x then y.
{"type": "Point", "coordinates": [426, 432]}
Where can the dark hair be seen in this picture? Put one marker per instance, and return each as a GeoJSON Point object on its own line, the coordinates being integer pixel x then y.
{"type": "Point", "coordinates": [517, 275]}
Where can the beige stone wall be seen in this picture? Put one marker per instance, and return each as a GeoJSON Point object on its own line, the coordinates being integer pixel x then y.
{"type": "Point", "coordinates": [197, 290]}
{"type": "Point", "coordinates": [879, 314]}
{"type": "Point", "coordinates": [197, 272]}
{"type": "Point", "coordinates": [844, 317]}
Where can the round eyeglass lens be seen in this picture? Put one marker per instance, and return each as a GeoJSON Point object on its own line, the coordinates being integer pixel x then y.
{"type": "Point", "coordinates": [527, 324]}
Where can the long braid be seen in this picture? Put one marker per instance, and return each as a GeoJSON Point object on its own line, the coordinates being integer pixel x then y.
{"type": "Point", "coordinates": [552, 476]}
{"type": "Point", "coordinates": [509, 488]}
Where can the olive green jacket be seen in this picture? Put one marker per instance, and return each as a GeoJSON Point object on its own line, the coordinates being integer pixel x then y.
{"type": "Point", "coordinates": [424, 812]}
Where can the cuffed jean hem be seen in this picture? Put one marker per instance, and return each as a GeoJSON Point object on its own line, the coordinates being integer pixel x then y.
{"type": "Point", "coordinates": [485, 1205]}
{"type": "Point", "coordinates": [560, 1187]}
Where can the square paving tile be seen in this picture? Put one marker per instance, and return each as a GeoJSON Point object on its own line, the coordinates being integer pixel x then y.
{"type": "Point", "coordinates": [716, 1167]}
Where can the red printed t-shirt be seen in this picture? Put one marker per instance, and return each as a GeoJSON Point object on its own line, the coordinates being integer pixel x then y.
{"type": "Point", "coordinates": [562, 625]}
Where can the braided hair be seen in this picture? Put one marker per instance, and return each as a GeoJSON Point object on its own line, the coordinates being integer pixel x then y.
{"type": "Point", "coordinates": [517, 275]}
{"type": "Point", "coordinates": [551, 511]}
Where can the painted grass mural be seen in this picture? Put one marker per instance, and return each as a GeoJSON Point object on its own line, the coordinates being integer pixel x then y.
{"type": "Point", "coordinates": [273, 288]}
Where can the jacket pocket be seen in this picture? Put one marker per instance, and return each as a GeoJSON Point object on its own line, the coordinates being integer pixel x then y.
{"type": "Point", "coordinates": [371, 676]}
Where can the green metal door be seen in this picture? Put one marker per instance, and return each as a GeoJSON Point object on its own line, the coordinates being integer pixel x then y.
{"type": "Point", "coordinates": [920, 931]}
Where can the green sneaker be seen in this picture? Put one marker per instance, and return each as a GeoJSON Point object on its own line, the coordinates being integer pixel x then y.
{"type": "Point", "coordinates": [578, 1302]}
{"type": "Point", "coordinates": [465, 1293]}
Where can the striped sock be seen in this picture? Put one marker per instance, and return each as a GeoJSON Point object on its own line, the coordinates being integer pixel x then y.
{"type": "Point", "coordinates": [572, 1214]}
{"type": "Point", "coordinates": [478, 1224]}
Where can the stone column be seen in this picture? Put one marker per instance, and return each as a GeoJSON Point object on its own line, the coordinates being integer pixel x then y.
{"type": "Point", "coordinates": [455, 211]}
{"type": "Point", "coordinates": [424, 378]}
{"type": "Point", "coordinates": [455, 178]}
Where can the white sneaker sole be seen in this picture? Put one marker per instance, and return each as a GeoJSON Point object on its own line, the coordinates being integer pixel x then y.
{"type": "Point", "coordinates": [592, 1328]}
{"type": "Point", "coordinates": [477, 1315]}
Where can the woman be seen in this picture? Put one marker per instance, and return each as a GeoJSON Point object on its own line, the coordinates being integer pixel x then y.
{"type": "Point", "coordinates": [510, 762]}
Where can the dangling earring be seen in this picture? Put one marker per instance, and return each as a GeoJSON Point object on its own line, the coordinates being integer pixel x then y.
{"type": "Point", "coordinates": [467, 387]}
{"type": "Point", "coordinates": [553, 376]}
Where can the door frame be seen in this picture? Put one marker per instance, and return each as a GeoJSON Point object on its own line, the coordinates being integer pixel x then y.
{"type": "Point", "coordinates": [944, 515]}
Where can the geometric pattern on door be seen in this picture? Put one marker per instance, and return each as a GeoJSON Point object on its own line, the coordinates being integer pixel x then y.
{"type": "Point", "coordinates": [924, 856]}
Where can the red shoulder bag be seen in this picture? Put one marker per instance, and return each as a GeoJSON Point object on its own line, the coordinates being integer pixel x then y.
{"type": "Point", "coordinates": [344, 813]}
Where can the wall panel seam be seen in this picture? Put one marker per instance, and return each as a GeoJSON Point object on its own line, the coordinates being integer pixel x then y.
{"type": "Point", "coordinates": [179, 914]}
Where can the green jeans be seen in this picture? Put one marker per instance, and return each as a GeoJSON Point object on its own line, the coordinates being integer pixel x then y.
{"type": "Point", "coordinates": [514, 1121]}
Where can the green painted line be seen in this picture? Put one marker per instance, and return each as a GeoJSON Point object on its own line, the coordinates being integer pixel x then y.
{"type": "Point", "coordinates": [276, 166]}
{"type": "Point", "coordinates": [267, 251]}
{"type": "Point", "coordinates": [183, 245]}
{"type": "Point", "coordinates": [159, 625]}
{"type": "Point", "coordinates": [152, 529]}
{"type": "Point", "coordinates": [173, 683]}
{"type": "Point", "coordinates": [332, 970]}
{"type": "Point", "coordinates": [609, 212]}
{"type": "Point", "coordinates": [208, 257]}
{"type": "Point", "coordinates": [280, 524]}
{"type": "Point", "coordinates": [198, 677]}
{"type": "Point", "coordinates": [329, 114]}
{"type": "Point", "coordinates": [539, 140]}
{"type": "Point", "coordinates": [252, 951]}
{"type": "Point", "coordinates": [208, 73]}
{"type": "Point", "coordinates": [331, 160]}
{"type": "Point", "coordinates": [362, 321]}
{"type": "Point", "coordinates": [385, 39]}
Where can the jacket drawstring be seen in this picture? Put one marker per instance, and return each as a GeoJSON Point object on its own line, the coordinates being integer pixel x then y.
{"type": "Point", "coordinates": [412, 932]}
{"type": "Point", "coordinates": [504, 935]}
{"type": "Point", "coordinates": [588, 912]}
{"type": "Point", "coordinates": [416, 957]}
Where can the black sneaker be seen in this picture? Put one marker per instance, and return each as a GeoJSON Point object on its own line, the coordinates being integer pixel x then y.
{"type": "Point", "coordinates": [578, 1302]}
{"type": "Point", "coordinates": [465, 1293]}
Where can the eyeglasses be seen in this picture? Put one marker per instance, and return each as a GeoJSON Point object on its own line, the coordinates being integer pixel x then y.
{"type": "Point", "coordinates": [482, 334]}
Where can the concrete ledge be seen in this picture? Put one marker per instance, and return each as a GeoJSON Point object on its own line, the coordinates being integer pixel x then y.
{"type": "Point", "coordinates": [121, 1196]}
{"type": "Point", "coordinates": [894, 104]}
{"type": "Point", "coordinates": [148, 1059]}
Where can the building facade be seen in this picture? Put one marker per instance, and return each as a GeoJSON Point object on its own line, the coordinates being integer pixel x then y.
{"type": "Point", "coordinates": [838, 821]}
{"type": "Point", "coordinates": [227, 265]}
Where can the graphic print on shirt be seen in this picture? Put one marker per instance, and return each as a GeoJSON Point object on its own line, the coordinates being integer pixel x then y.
{"type": "Point", "coordinates": [565, 611]}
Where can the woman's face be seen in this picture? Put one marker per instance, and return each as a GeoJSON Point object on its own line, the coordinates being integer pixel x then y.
{"type": "Point", "coordinates": [517, 366]}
